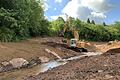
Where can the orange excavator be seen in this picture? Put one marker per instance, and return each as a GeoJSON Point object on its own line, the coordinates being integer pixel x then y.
{"type": "Point", "coordinates": [75, 43]}
{"type": "Point", "coordinates": [84, 46]}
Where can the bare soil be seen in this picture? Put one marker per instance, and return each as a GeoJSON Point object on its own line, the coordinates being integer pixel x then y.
{"type": "Point", "coordinates": [34, 48]}
{"type": "Point", "coordinates": [30, 49]}
{"type": "Point", "coordinates": [103, 67]}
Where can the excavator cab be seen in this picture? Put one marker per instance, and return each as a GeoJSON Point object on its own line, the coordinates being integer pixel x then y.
{"type": "Point", "coordinates": [73, 43]}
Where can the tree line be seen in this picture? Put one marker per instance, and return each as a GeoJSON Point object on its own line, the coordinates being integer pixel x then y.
{"type": "Point", "coordinates": [23, 19]}
{"type": "Point", "coordinates": [88, 30]}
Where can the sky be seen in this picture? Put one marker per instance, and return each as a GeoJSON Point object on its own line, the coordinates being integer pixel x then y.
{"type": "Point", "coordinates": [98, 10]}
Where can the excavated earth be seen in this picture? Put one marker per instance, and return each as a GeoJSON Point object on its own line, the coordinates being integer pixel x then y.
{"type": "Point", "coordinates": [34, 48]}
{"type": "Point", "coordinates": [31, 49]}
{"type": "Point", "coordinates": [100, 67]}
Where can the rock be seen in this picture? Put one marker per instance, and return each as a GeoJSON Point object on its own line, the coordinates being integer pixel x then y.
{"type": "Point", "coordinates": [44, 59]}
{"type": "Point", "coordinates": [100, 71]}
{"type": "Point", "coordinates": [34, 62]}
{"type": "Point", "coordinates": [1, 68]}
{"type": "Point", "coordinates": [6, 66]}
{"type": "Point", "coordinates": [108, 76]}
{"type": "Point", "coordinates": [5, 63]}
{"type": "Point", "coordinates": [18, 62]}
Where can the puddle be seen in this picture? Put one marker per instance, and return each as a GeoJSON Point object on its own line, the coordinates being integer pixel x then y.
{"type": "Point", "coordinates": [52, 64]}
{"type": "Point", "coordinates": [22, 73]}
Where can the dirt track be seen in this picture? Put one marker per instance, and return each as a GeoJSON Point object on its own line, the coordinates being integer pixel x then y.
{"type": "Point", "coordinates": [103, 67]}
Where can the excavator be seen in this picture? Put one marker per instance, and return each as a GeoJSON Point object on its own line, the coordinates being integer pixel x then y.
{"type": "Point", "coordinates": [84, 46]}
{"type": "Point", "coordinates": [75, 43]}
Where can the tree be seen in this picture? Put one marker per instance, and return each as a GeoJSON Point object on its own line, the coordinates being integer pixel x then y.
{"type": "Point", "coordinates": [92, 22]}
{"type": "Point", "coordinates": [24, 18]}
{"type": "Point", "coordinates": [57, 26]}
{"type": "Point", "coordinates": [104, 24]}
{"type": "Point", "coordinates": [88, 20]}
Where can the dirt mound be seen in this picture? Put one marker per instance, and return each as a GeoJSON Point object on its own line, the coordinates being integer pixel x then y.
{"type": "Point", "coordinates": [112, 52]}
{"type": "Point", "coordinates": [117, 50]}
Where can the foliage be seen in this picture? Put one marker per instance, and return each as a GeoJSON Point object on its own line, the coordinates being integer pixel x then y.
{"type": "Point", "coordinates": [88, 21]}
{"type": "Point", "coordinates": [87, 31]}
{"type": "Point", "coordinates": [57, 26]}
{"type": "Point", "coordinates": [93, 22]}
{"type": "Point", "coordinates": [21, 19]}
{"type": "Point", "coordinates": [104, 24]}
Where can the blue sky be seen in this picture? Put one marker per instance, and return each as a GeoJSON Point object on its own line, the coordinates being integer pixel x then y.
{"type": "Point", "coordinates": [98, 10]}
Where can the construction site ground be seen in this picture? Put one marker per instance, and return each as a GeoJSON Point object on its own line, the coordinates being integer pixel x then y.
{"type": "Point", "coordinates": [101, 67]}
{"type": "Point", "coordinates": [34, 48]}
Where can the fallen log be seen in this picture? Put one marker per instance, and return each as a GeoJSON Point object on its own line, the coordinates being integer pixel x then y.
{"type": "Point", "coordinates": [53, 53]}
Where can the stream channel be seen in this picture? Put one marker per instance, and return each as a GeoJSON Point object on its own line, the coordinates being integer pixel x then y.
{"type": "Point", "coordinates": [20, 74]}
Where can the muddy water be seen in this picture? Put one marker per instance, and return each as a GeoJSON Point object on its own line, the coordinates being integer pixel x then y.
{"type": "Point", "coordinates": [21, 74]}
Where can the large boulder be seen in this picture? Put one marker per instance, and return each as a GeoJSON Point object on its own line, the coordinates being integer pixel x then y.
{"type": "Point", "coordinates": [18, 62]}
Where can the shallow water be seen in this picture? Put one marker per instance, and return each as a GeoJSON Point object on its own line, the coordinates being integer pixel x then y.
{"type": "Point", "coordinates": [52, 64]}
{"type": "Point", "coordinates": [20, 74]}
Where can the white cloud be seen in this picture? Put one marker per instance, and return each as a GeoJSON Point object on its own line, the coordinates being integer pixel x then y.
{"type": "Point", "coordinates": [99, 15]}
{"type": "Point", "coordinates": [83, 9]}
{"type": "Point", "coordinates": [45, 5]}
{"type": "Point", "coordinates": [72, 10]}
{"type": "Point", "coordinates": [96, 5]}
{"type": "Point", "coordinates": [58, 1]}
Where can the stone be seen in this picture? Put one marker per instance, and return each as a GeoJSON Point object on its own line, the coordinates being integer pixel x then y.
{"type": "Point", "coordinates": [108, 76]}
{"type": "Point", "coordinates": [1, 68]}
{"type": "Point", "coordinates": [5, 63]}
{"type": "Point", "coordinates": [100, 71]}
{"type": "Point", "coordinates": [34, 62]}
{"type": "Point", "coordinates": [6, 66]}
{"type": "Point", "coordinates": [18, 62]}
{"type": "Point", "coordinates": [44, 59]}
